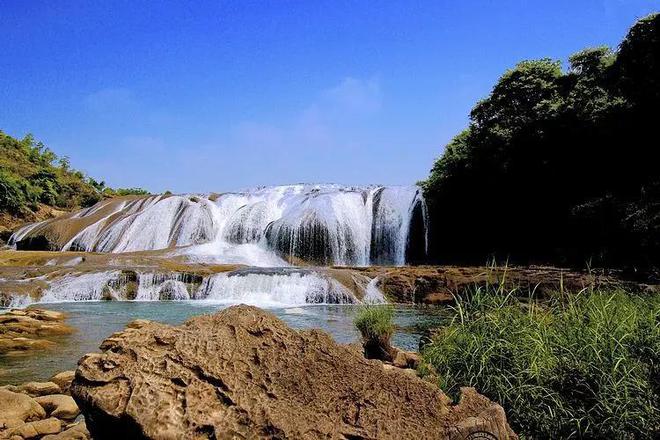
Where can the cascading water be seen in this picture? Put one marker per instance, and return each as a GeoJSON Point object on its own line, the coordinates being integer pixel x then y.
{"type": "Point", "coordinates": [270, 226]}
{"type": "Point", "coordinates": [264, 287]}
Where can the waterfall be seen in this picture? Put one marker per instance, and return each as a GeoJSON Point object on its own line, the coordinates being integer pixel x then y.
{"type": "Point", "coordinates": [267, 226]}
{"type": "Point", "coordinates": [285, 288]}
{"type": "Point", "coordinates": [261, 287]}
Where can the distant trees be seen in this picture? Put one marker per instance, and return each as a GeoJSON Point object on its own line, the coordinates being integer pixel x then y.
{"type": "Point", "coordinates": [558, 166]}
{"type": "Point", "coordinates": [30, 174]}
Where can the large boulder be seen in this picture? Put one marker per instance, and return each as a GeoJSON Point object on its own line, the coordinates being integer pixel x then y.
{"type": "Point", "coordinates": [242, 373]}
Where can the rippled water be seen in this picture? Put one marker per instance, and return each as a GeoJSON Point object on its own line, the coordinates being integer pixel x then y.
{"type": "Point", "coordinates": [94, 321]}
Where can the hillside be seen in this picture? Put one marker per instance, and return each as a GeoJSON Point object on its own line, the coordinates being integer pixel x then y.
{"type": "Point", "coordinates": [35, 184]}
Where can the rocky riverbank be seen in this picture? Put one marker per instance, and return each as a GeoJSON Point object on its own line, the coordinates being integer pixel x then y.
{"type": "Point", "coordinates": [240, 373]}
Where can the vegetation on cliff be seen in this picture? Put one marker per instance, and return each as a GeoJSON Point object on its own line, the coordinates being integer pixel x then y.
{"type": "Point", "coordinates": [558, 165]}
{"type": "Point", "coordinates": [578, 366]}
{"type": "Point", "coordinates": [32, 174]}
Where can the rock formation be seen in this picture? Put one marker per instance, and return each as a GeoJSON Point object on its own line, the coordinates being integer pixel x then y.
{"type": "Point", "coordinates": [242, 373]}
{"type": "Point", "coordinates": [438, 284]}
{"type": "Point", "coordinates": [22, 330]}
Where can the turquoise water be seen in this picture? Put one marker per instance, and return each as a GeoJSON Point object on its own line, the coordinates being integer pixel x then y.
{"type": "Point", "coordinates": [95, 321]}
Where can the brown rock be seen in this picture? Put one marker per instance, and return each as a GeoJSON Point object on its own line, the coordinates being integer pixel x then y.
{"type": "Point", "coordinates": [59, 405]}
{"type": "Point", "coordinates": [36, 389]}
{"type": "Point", "coordinates": [76, 432]}
{"type": "Point", "coordinates": [37, 428]}
{"type": "Point", "coordinates": [400, 359]}
{"type": "Point", "coordinates": [474, 414]}
{"type": "Point", "coordinates": [242, 373]}
{"type": "Point", "coordinates": [406, 359]}
{"type": "Point", "coordinates": [138, 323]}
{"type": "Point", "coordinates": [63, 380]}
{"type": "Point", "coordinates": [24, 330]}
{"type": "Point", "coordinates": [439, 284]}
{"type": "Point", "coordinates": [17, 345]}
{"type": "Point", "coordinates": [17, 408]}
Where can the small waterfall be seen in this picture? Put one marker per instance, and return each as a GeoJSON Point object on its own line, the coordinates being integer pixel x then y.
{"type": "Point", "coordinates": [269, 226]}
{"type": "Point", "coordinates": [162, 286]}
{"type": "Point", "coordinates": [372, 294]}
{"type": "Point", "coordinates": [262, 287]}
{"type": "Point", "coordinates": [82, 287]}
{"type": "Point", "coordinates": [284, 288]}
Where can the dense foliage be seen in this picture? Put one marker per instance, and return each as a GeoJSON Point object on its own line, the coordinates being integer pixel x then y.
{"type": "Point", "coordinates": [558, 166]}
{"type": "Point", "coordinates": [31, 174]}
{"type": "Point", "coordinates": [586, 366]}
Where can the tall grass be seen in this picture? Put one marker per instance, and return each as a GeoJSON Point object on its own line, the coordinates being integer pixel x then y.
{"type": "Point", "coordinates": [375, 323]}
{"type": "Point", "coordinates": [575, 366]}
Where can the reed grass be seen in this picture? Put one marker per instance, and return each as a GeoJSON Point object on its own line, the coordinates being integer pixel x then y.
{"type": "Point", "coordinates": [583, 365]}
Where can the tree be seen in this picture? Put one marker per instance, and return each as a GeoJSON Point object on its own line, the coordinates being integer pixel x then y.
{"type": "Point", "coordinates": [558, 167]}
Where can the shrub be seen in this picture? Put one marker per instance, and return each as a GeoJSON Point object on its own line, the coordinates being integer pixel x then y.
{"type": "Point", "coordinates": [375, 324]}
{"type": "Point", "coordinates": [583, 367]}
{"type": "Point", "coordinates": [12, 197]}
{"type": "Point", "coordinates": [33, 174]}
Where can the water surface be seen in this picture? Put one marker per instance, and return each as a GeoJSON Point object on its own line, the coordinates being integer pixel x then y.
{"type": "Point", "coordinates": [96, 320]}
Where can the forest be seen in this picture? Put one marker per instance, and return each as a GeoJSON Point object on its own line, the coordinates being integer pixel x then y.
{"type": "Point", "coordinates": [32, 174]}
{"type": "Point", "coordinates": [558, 165]}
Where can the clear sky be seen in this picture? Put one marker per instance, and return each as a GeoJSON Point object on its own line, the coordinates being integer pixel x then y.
{"type": "Point", "coordinates": [222, 95]}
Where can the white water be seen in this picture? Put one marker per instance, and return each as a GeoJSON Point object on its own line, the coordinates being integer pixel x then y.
{"type": "Point", "coordinates": [270, 226]}
{"type": "Point", "coordinates": [266, 288]}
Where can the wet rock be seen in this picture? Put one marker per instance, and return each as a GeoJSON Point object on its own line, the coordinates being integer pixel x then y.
{"type": "Point", "coordinates": [63, 380]}
{"type": "Point", "coordinates": [37, 428]}
{"type": "Point", "coordinates": [19, 345]}
{"type": "Point", "coordinates": [59, 405]}
{"type": "Point", "coordinates": [242, 373]}
{"type": "Point", "coordinates": [17, 409]}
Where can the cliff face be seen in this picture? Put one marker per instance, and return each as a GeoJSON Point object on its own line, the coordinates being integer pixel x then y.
{"type": "Point", "coordinates": [242, 373]}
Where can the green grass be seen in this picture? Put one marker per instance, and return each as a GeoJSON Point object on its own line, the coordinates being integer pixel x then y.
{"type": "Point", "coordinates": [574, 366]}
{"type": "Point", "coordinates": [375, 323]}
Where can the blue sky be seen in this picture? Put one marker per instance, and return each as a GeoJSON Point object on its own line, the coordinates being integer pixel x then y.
{"type": "Point", "coordinates": [222, 95]}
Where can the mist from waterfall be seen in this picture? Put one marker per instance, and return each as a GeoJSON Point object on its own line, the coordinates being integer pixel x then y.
{"type": "Point", "coordinates": [268, 226]}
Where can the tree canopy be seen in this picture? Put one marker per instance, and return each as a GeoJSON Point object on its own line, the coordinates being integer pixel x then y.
{"type": "Point", "coordinates": [558, 166]}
